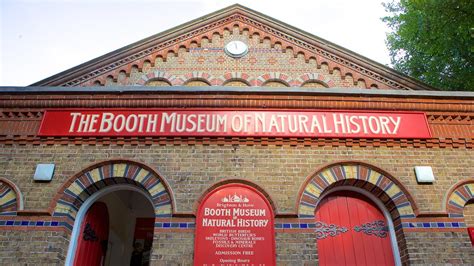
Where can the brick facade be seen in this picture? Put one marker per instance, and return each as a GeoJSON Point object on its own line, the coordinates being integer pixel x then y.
{"type": "Point", "coordinates": [37, 218]}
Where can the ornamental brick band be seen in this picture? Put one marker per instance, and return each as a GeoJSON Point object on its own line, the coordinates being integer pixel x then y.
{"type": "Point", "coordinates": [393, 197]}
{"type": "Point", "coordinates": [9, 201]}
{"type": "Point", "coordinates": [87, 183]}
{"type": "Point", "coordinates": [461, 194]}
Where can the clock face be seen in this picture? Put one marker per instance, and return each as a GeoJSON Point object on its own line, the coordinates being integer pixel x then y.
{"type": "Point", "coordinates": [236, 49]}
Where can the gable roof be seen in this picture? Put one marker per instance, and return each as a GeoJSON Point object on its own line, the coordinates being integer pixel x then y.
{"type": "Point", "coordinates": [300, 41]}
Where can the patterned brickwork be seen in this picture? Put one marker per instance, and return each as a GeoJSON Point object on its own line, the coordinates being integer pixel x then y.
{"type": "Point", "coordinates": [9, 197]}
{"type": "Point", "coordinates": [383, 187]}
{"type": "Point", "coordinates": [459, 197]}
{"type": "Point", "coordinates": [265, 61]}
{"type": "Point", "coordinates": [204, 41]}
{"type": "Point", "coordinates": [294, 172]}
{"type": "Point", "coordinates": [192, 169]}
{"type": "Point", "coordinates": [81, 187]}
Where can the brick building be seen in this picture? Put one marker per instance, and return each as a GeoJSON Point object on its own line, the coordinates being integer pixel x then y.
{"type": "Point", "coordinates": [137, 145]}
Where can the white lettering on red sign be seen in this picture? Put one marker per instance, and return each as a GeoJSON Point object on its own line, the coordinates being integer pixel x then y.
{"type": "Point", "coordinates": [235, 123]}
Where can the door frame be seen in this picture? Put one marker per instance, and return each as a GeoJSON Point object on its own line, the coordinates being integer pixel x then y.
{"type": "Point", "coordinates": [380, 205]}
{"type": "Point", "coordinates": [71, 253]}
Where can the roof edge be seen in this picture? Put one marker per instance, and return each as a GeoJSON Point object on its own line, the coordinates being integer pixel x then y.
{"type": "Point", "coordinates": [236, 90]}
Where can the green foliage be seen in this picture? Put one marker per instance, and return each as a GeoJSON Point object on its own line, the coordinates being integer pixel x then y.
{"type": "Point", "coordinates": [433, 40]}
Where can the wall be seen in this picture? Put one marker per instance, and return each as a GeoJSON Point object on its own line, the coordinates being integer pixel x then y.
{"type": "Point", "coordinates": [33, 247]}
{"type": "Point", "coordinates": [279, 170]}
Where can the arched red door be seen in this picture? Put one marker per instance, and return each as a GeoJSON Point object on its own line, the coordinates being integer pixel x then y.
{"type": "Point", "coordinates": [94, 234]}
{"type": "Point", "coordinates": [351, 230]}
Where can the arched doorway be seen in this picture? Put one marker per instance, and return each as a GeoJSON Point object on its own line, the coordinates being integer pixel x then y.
{"type": "Point", "coordinates": [460, 204]}
{"type": "Point", "coordinates": [114, 226]}
{"type": "Point", "coordinates": [352, 230]}
{"type": "Point", "coordinates": [127, 182]}
{"type": "Point", "coordinates": [385, 191]}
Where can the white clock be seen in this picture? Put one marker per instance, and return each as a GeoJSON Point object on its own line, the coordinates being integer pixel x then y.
{"type": "Point", "coordinates": [236, 49]}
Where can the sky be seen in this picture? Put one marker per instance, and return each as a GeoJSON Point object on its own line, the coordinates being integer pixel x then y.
{"type": "Point", "coordinates": [40, 38]}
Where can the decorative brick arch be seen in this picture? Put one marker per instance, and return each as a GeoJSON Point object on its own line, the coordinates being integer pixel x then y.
{"type": "Point", "coordinates": [272, 76]}
{"type": "Point", "coordinates": [458, 196]}
{"type": "Point", "coordinates": [237, 76]}
{"type": "Point", "coordinates": [172, 79]}
{"type": "Point", "coordinates": [199, 75]}
{"type": "Point", "coordinates": [235, 181]}
{"type": "Point", "coordinates": [79, 187]}
{"type": "Point", "coordinates": [309, 77]}
{"type": "Point", "coordinates": [11, 199]}
{"type": "Point", "coordinates": [391, 193]}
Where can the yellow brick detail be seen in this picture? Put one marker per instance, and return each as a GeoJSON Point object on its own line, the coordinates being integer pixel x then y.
{"type": "Point", "coordinates": [9, 196]}
{"type": "Point", "coordinates": [141, 175]}
{"type": "Point", "coordinates": [157, 189]}
{"type": "Point", "coordinates": [306, 210]}
{"type": "Point", "coordinates": [119, 170]}
{"type": "Point", "coordinates": [351, 171]}
{"type": "Point", "coordinates": [75, 188]}
{"type": "Point", "coordinates": [405, 210]}
{"type": "Point", "coordinates": [328, 176]}
{"type": "Point", "coordinates": [163, 209]}
{"type": "Point", "coordinates": [374, 176]}
{"type": "Point", "coordinates": [312, 189]}
{"type": "Point", "coordinates": [457, 199]}
{"type": "Point", "coordinates": [471, 188]}
{"type": "Point", "coordinates": [393, 190]}
{"type": "Point", "coordinates": [95, 175]}
{"type": "Point", "coordinates": [62, 208]}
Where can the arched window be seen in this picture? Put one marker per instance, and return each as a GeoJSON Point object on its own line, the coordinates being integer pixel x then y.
{"type": "Point", "coordinates": [157, 83]}
{"type": "Point", "coordinates": [314, 84]}
{"type": "Point", "coordinates": [236, 83]}
{"type": "Point", "coordinates": [274, 84]}
{"type": "Point", "coordinates": [196, 83]}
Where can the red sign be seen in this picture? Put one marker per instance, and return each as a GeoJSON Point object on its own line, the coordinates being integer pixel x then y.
{"type": "Point", "coordinates": [234, 226]}
{"type": "Point", "coordinates": [253, 123]}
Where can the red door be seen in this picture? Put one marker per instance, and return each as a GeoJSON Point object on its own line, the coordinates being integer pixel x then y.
{"type": "Point", "coordinates": [351, 230]}
{"type": "Point", "coordinates": [92, 242]}
{"type": "Point", "coordinates": [470, 231]}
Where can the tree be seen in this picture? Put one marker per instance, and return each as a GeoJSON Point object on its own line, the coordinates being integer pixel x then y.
{"type": "Point", "coordinates": [433, 41]}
